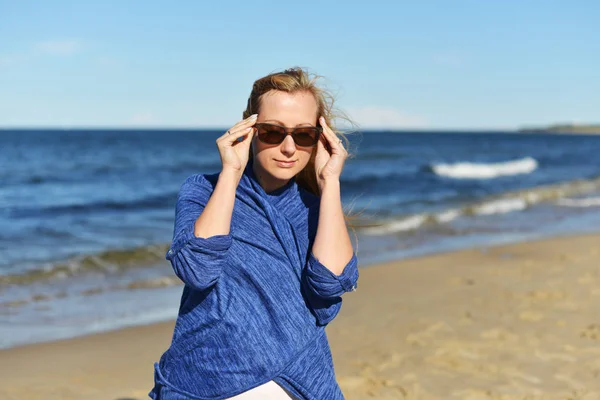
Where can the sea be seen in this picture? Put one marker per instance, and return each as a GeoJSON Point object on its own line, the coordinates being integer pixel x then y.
{"type": "Point", "coordinates": [86, 216]}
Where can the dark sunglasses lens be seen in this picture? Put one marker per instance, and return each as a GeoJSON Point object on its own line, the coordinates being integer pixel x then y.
{"type": "Point", "coordinates": [306, 136]}
{"type": "Point", "coordinates": [271, 135]}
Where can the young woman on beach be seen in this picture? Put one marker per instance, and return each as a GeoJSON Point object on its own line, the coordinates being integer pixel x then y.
{"type": "Point", "coordinates": [264, 252]}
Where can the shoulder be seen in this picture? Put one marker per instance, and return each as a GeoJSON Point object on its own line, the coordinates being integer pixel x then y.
{"type": "Point", "coordinates": [199, 184]}
{"type": "Point", "coordinates": [201, 180]}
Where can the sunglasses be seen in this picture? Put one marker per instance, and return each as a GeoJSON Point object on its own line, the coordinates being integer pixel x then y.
{"type": "Point", "coordinates": [305, 136]}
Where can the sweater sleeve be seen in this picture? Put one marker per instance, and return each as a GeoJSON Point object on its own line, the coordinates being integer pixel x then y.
{"type": "Point", "coordinates": [324, 288]}
{"type": "Point", "coordinates": [198, 262]}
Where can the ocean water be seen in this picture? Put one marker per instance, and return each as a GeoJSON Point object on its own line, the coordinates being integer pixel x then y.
{"type": "Point", "coordinates": [86, 216]}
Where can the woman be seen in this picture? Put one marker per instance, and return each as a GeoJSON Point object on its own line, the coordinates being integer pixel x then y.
{"type": "Point", "coordinates": [264, 253]}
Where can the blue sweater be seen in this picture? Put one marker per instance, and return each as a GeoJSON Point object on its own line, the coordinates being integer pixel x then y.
{"type": "Point", "coordinates": [255, 302]}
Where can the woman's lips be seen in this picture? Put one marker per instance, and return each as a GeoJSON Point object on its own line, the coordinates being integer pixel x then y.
{"type": "Point", "coordinates": [285, 164]}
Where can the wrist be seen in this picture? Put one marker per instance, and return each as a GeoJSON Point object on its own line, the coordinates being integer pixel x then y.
{"type": "Point", "coordinates": [329, 183]}
{"type": "Point", "coordinates": [230, 176]}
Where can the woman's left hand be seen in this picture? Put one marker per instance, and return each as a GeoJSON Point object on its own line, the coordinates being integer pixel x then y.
{"type": "Point", "coordinates": [329, 165]}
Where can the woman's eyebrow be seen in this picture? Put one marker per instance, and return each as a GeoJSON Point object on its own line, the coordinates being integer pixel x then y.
{"type": "Point", "coordinates": [282, 124]}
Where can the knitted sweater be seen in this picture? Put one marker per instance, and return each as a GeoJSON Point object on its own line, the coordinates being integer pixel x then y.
{"type": "Point", "coordinates": [256, 301]}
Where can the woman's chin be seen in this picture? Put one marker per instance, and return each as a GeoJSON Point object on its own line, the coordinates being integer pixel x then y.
{"type": "Point", "coordinates": [283, 173]}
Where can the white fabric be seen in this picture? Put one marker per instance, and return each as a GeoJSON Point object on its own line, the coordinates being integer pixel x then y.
{"type": "Point", "coordinates": [267, 391]}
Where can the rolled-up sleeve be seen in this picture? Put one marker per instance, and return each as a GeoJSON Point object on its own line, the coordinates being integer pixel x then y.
{"type": "Point", "coordinates": [324, 288]}
{"type": "Point", "coordinates": [198, 262]}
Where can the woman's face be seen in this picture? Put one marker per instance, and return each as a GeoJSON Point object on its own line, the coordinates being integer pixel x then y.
{"type": "Point", "coordinates": [275, 165]}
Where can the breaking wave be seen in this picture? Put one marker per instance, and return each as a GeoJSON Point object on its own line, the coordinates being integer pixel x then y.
{"type": "Point", "coordinates": [505, 203]}
{"type": "Point", "coordinates": [467, 170]}
{"type": "Point", "coordinates": [107, 262]}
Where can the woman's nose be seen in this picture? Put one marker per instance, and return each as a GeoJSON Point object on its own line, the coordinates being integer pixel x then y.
{"type": "Point", "coordinates": [288, 147]}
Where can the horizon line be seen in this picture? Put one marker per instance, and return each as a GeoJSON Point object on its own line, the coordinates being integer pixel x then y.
{"type": "Point", "coordinates": [224, 129]}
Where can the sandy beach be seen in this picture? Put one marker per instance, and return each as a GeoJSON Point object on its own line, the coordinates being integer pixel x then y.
{"type": "Point", "coordinates": [518, 321]}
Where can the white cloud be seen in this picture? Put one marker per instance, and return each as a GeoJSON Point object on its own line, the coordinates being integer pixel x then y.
{"type": "Point", "coordinates": [376, 117]}
{"type": "Point", "coordinates": [59, 47]}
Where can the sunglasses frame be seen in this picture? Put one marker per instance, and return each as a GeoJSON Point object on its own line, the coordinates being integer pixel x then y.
{"type": "Point", "coordinates": [292, 133]}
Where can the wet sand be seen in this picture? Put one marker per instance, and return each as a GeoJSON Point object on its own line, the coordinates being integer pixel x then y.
{"type": "Point", "coordinates": [512, 322]}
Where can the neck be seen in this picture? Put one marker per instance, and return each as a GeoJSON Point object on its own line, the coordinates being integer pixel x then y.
{"type": "Point", "coordinates": [267, 182]}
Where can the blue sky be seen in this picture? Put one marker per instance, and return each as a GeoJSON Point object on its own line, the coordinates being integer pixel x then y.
{"type": "Point", "coordinates": [399, 64]}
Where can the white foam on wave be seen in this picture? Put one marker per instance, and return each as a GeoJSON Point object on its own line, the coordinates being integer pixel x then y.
{"type": "Point", "coordinates": [501, 206]}
{"type": "Point", "coordinates": [447, 216]}
{"type": "Point", "coordinates": [586, 202]}
{"type": "Point", "coordinates": [413, 222]}
{"type": "Point", "coordinates": [406, 224]}
{"type": "Point", "coordinates": [467, 170]}
{"type": "Point", "coordinates": [505, 203]}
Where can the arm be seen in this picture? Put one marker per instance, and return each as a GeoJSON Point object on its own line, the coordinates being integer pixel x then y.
{"type": "Point", "coordinates": [203, 215]}
{"type": "Point", "coordinates": [202, 236]}
{"type": "Point", "coordinates": [332, 244]}
{"type": "Point", "coordinates": [215, 219]}
{"type": "Point", "coordinates": [332, 266]}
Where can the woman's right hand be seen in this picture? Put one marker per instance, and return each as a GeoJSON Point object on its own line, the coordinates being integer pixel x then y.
{"type": "Point", "coordinates": [234, 152]}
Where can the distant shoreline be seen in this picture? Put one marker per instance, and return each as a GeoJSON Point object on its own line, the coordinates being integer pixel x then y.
{"type": "Point", "coordinates": [566, 128]}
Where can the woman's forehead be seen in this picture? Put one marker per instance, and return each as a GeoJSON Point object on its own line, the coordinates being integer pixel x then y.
{"type": "Point", "coordinates": [289, 109]}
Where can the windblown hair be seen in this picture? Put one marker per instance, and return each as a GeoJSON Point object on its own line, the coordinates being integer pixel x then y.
{"type": "Point", "coordinates": [295, 80]}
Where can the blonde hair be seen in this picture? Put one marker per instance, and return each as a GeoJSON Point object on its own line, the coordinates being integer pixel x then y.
{"type": "Point", "coordinates": [293, 80]}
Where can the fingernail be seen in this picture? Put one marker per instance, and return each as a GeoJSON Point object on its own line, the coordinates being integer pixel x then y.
{"type": "Point", "coordinates": [254, 116]}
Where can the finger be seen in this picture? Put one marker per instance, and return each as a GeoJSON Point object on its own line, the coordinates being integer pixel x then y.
{"type": "Point", "coordinates": [251, 120]}
{"type": "Point", "coordinates": [334, 141]}
{"type": "Point", "coordinates": [329, 134]}
{"type": "Point", "coordinates": [231, 136]}
{"type": "Point", "coordinates": [246, 122]}
{"type": "Point", "coordinates": [321, 145]}
{"type": "Point", "coordinates": [245, 138]}
{"type": "Point", "coordinates": [324, 142]}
